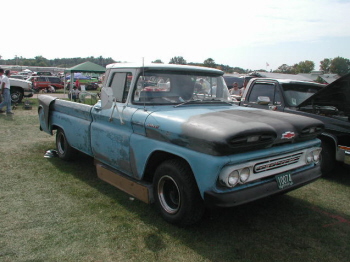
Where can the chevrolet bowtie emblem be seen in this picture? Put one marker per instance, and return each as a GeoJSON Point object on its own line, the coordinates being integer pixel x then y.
{"type": "Point", "coordinates": [288, 135]}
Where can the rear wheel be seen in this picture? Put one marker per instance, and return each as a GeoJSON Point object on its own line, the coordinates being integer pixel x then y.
{"type": "Point", "coordinates": [64, 150]}
{"type": "Point", "coordinates": [176, 193]}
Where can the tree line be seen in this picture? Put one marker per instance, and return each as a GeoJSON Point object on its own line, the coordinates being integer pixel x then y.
{"type": "Point", "coordinates": [57, 62]}
{"type": "Point", "coordinates": [338, 65]}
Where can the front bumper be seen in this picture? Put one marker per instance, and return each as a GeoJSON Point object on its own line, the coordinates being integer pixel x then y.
{"type": "Point", "coordinates": [28, 94]}
{"type": "Point", "coordinates": [239, 197]}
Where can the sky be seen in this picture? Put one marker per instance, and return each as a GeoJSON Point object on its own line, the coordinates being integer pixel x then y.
{"type": "Point", "coordinates": [251, 34]}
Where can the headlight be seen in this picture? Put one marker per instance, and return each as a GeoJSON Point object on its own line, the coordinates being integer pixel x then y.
{"type": "Point", "coordinates": [313, 156]}
{"type": "Point", "coordinates": [233, 178]}
{"type": "Point", "coordinates": [316, 155]}
{"type": "Point", "coordinates": [244, 175]}
{"type": "Point", "coordinates": [230, 178]}
{"type": "Point", "coordinates": [309, 157]}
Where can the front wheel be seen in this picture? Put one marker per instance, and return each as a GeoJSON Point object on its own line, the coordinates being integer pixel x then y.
{"type": "Point", "coordinates": [64, 150]}
{"type": "Point", "coordinates": [16, 95]}
{"type": "Point", "coordinates": [176, 193]}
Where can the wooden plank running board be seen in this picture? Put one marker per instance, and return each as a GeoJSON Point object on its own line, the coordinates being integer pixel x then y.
{"type": "Point", "coordinates": [137, 190]}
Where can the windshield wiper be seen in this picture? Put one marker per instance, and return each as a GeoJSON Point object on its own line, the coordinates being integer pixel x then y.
{"type": "Point", "coordinates": [203, 101]}
{"type": "Point", "coordinates": [217, 100]}
{"type": "Point", "coordinates": [189, 102]}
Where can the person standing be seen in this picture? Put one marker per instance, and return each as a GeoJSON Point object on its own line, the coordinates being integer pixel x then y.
{"type": "Point", "coordinates": [5, 91]}
{"type": "Point", "coordinates": [77, 83]}
{"type": "Point", "coordinates": [235, 90]}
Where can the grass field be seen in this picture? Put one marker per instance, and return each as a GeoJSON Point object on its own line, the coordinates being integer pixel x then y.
{"type": "Point", "coordinates": [60, 211]}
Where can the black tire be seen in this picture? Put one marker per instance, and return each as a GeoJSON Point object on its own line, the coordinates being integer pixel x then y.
{"type": "Point", "coordinates": [176, 193]}
{"type": "Point", "coordinates": [16, 95]}
{"type": "Point", "coordinates": [64, 150]}
{"type": "Point", "coordinates": [327, 158]}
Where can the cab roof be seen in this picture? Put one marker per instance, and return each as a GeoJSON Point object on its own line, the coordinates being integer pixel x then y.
{"type": "Point", "coordinates": [166, 67]}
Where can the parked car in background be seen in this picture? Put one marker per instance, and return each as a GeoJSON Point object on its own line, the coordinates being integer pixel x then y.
{"type": "Point", "coordinates": [20, 88]}
{"type": "Point", "coordinates": [44, 82]}
{"type": "Point", "coordinates": [230, 79]}
{"type": "Point", "coordinates": [90, 84]}
{"type": "Point", "coordinates": [23, 77]}
{"type": "Point", "coordinates": [330, 104]}
{"type": "Point", "coordinates": [42, 73]}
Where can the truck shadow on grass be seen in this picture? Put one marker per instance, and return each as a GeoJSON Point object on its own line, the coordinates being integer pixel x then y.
{"type": "Point", "coordinates": [280, 228]}
{"type": "Point", "coordinates": [340, 175]}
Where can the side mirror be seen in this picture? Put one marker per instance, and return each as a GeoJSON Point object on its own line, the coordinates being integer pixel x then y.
{"type": "Point", "coordinates": [263, 100]}
{"type": "Point", "coordinates": [106, 98]}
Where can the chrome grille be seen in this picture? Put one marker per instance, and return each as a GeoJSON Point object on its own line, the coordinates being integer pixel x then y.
{"type": "Point", "coordinates": [277, 163]}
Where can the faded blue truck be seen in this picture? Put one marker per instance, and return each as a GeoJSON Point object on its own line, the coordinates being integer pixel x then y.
{"type": "Point", "coordinates": [170, 135]}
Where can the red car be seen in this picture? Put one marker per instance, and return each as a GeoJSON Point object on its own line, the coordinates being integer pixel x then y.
{"type": "Point", "coordinates": [44, 82]}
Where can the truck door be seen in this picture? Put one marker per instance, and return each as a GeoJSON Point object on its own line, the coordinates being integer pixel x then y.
{"type": "Point", "coordinates": [110, 129]}
{"type": "Point", "coordinates": [261, 89]}
{"type": "Point", "coordinates": [41, 82]}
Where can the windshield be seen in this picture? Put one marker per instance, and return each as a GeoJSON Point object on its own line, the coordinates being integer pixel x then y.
{"type": "Point", "coordinates": [295, 93]}
{"type": "Point", "coordinates": [170, 88]}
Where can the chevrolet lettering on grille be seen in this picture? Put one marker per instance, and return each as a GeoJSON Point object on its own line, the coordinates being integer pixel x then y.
{"type": "Point", "coordinates": [276, 163]}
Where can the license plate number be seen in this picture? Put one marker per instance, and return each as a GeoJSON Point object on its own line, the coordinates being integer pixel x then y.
{"type": "Point", "coordinates": [284, 180]}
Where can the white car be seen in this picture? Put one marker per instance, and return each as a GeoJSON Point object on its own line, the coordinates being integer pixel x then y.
{"type": "Point", "coordinates": [19, 89]}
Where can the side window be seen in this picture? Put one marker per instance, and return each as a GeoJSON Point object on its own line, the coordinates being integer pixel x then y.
{"type": "Point", "coordinates": [260, 89]}
{"type": "Point", "coordinates": [54, 80]}
{"type": "Point", "coordinates": [41, 79]}
{"type": "Point", "coordinates": [120, 84]}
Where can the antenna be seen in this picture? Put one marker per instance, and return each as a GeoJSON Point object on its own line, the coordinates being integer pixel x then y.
{"type": "Point", "coordinates": [143, 67]}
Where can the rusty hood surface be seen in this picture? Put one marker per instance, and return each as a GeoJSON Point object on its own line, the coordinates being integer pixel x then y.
{"type": "Point", "coordinates": [228, 130]}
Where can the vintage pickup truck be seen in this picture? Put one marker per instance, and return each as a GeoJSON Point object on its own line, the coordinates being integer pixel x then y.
{"type": "Point", "coordinates": [330, 104]}
{"type": "Point", "coordinates": [158, 136]}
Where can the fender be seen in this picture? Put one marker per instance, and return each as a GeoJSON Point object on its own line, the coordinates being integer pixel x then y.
{"type": "Point", "coordinates": [45, 103]}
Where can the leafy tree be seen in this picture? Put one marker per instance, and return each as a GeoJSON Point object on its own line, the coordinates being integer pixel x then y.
{"type": "Point", "coordinates": [325, 65]}
{"type": "Point", "coordinates": [41, 61]}
{"type": "Point", "coordinates": [209, 63]}
{"type": "Point", "coordinates": [340, 66]}
{"type": "Point", "coordinates": [230, 70]}
{"type": "Point", "coordinates": [304, 66]}
{"type": "Point", "coordinates": [157, 61]}
{"type": "Point", "coordinates": [178, 60]}
{"type": "Point", "coordinates": [285, 69]}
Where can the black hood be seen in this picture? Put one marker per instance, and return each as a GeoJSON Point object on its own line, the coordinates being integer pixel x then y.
{"type": "Point", "coordinates": [226, 132]}
{"type": "Point", "coordinates": [336, 95]}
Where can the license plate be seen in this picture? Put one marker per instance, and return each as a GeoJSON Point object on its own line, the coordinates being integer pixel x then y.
{"type": "Point", "coordinates": [284, 180]}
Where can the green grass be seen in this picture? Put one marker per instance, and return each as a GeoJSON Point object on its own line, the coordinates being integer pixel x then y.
{"type": "Point", "coordinates": [60, 211]}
